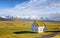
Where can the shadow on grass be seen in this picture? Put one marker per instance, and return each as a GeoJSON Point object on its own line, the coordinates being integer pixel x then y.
{"type": "Point", "coordinates": [23, 32]}
{"type": "Point", "coordinates": [53, 31]}
{"type": "Point", "coordinates": [26, 32]}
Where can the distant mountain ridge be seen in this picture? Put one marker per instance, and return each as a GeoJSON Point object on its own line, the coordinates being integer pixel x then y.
{"type": "Point", "coordinates": [31, 18]}
{"type": "Point", "coordinates": [49, 21]}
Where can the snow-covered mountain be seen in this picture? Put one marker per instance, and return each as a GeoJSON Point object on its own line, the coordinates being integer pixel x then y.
{"type": "Point", "coordinates": [22, 18]}
{"type": "Point", "coordinates": [3, 17]}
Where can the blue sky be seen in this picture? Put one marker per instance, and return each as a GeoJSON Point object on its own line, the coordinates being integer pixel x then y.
{"type": "Point", "coordinates": [10, 3]}
{"type": "Point", "coordinates": [45, 8]}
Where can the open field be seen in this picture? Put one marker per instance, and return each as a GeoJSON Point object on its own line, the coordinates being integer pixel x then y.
{"type": "Point", "coordinates": [21, 29]}
{"type": "Point", "coordinates": [52, 26]}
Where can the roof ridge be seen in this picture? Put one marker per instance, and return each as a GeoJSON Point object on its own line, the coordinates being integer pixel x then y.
{"type": "Point", "coordinates": [39, 23]}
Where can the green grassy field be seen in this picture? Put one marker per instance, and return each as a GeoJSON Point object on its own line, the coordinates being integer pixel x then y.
{"type": "Point", "coordinates": [52, 26]}
{"type": "Point", "coordinates": [21, 29]}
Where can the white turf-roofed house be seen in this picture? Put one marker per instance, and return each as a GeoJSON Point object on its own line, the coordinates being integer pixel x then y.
{"type": "Point", "coordinates": [38, 26]}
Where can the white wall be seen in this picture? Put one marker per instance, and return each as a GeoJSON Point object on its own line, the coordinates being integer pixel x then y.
{"type": "Point", "coordinates": [41, 29]}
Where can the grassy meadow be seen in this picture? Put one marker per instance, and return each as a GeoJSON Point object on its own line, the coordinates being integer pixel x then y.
{"type": "Point", "coordinates": [21, 29]}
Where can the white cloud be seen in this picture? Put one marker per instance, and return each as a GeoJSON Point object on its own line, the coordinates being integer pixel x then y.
{"type": "Point", "coordinates": [33, 7]}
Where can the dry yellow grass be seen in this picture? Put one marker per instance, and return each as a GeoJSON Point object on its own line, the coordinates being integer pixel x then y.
{"type": "Point", "coordinates": [52, 23]}
{"type": "Point", "coordinates": [52, 26]}
{"type": "Point", "coordinates": [8, 27]}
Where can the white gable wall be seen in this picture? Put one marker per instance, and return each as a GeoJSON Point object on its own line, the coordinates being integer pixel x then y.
{"type": "Point", "coordinates": [41, 29]}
